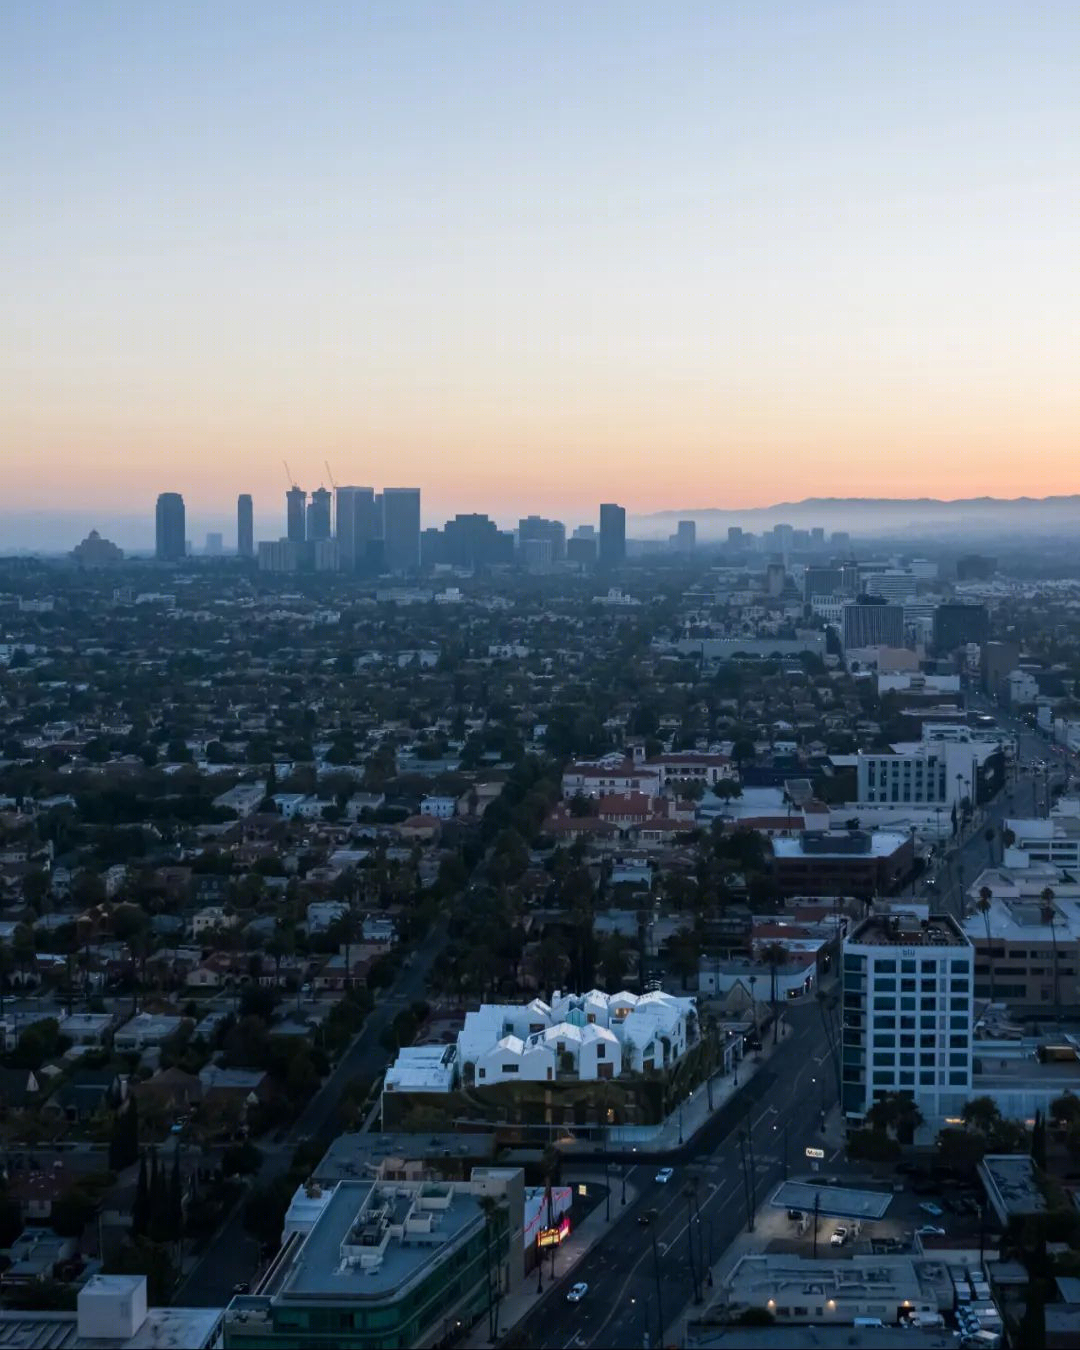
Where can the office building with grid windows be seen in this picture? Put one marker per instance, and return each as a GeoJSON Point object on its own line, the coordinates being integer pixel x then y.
{"type": "Point", "coordinates": [907, 1015]}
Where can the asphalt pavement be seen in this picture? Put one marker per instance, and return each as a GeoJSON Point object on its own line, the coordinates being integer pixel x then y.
{"type": "Point", "coordinates": [642, 1277]}
{"type": "Point", "coordinates": [232, 1256]}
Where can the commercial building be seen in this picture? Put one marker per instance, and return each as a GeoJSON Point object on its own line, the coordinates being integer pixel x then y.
{"type": "Point", "coordinates": [841, 862]}
{"type": "Point", "coordinates": [381, 1264]}
{"type": "Point", "coordinates": [475, 541]}
{"type": "Point", "coordinates": [170, 527]}
{"type": "Point", "coordinates": [535, 530]}
{"type": "Point", "coordinates": [684, 539]}
{"type": "Point", "coordinates": [907, 1015]}
{"type": "Point", "coordinates": [612, 551]}
{"type": "Point", "coordinates": [401, 529]}
{"type": "Point", "coordinates": [358, 526]}
{"type": "Point", "coordinates": [796, 1290]}
{"type": "Point", "coordinates": [96, 552]}
{"type": "Point", "coordinates": [956, 625]}
{"type": "Point", "coordinates": [318, 515]}
{"type": "Point", "coordinates": [920, 778]}
{"type": "Point", "coordinates": [867, 625]}
{"type": "Point", "coordinates": [295, 515]}
{"type": "Point", "coordinates": [245, 526]}
{"type": "Point", "coordinates": [895, 586]}
{"type": "Point", "coordinates": [112, 1311]}
{"type": "Point", "coordinates": [1027, 942]}
{"type": "Point", "coordinates": [1054, 840]}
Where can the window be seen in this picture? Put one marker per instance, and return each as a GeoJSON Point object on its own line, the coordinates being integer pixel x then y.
{"type": "Point", "coordinates": [883, 1079]}
{"type": "Point", "coordinates": [885, 966]}
{"type": "Point", "coordinates": [883, 1022]}
{"type": "Point", "coordinates": [907, 1042]}
{"type": "Point", "coordinates": [883, 1042]}
{"type": "Point", "coordinates": [907, 1078]}
{"type": "Point", "coordinates": [907, 967]}
{"type": "Point", "coordinates": [926, 1078]}
{"type": "Point", "coordinates": [510, 1068]}
{"type": "Point", "coordinates": [601, 1051]}
{"type": "Point", "coordinates": [958, 1061]}
{"type": "Point", "coordinates": [482, 1073]}
{"type": "Point", "coordinates": [885, 986]}
{"type": "Point", "coordinates": [907, 986]}
{"type": "Point", "coordinates": [907, 1003]}
{"type": "Point", "coordinates": [907, 1059]}
{"type": "Point", "coordinates": [928, 1005]}
{"type": "Point", "coordinates": [960, 1042]}
{"type": "Point", "coordinates": [958, 1079]}
{"type": "Point", "coordinates": [929, 967]}
{"type": "Point", "coordinates": [884, 1004]}
{"type": "Point", "coordinates": [960, 987]}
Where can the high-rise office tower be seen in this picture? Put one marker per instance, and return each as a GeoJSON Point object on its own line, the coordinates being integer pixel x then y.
{"type": "Point", "coordinates": [612, 535]}
{"type": "Point", "coordinates": [401, 529]}
{"type": "Point", "coordinates": [355, 525]}
{"type": "Point", "coordinates": [214, 543]}
{"type": "Point", "coordinates": [686, 537]}
{"type": "Point", "coordinates": [534, 530]}
{"type": "Point", "coordinates": [318, 515]}
{"type": "Point", "coordinates": [296, 503]}
{"type": "Point", "coordinates": [245, 526]}
{"type": "Point", "coordinates": [170, 525]}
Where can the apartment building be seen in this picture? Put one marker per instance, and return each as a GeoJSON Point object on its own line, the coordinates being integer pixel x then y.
{"type": "Point", "coordinates": [907, 1014]}
{"type": "Point", "coordinates": [1032, 943]}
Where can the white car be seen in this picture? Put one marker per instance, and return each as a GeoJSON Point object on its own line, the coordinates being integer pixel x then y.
{"type": "Point", "coordinates": [839, 1237]}
{"type": "Point", "coordinates": [665, 1174]}
{"type": "Point", "coordinates": [577, 1292]}
{"type": "Point", "coordinates": [930, 1230]}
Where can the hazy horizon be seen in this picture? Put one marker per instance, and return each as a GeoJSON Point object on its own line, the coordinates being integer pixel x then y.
{"type": "Point", "coordinates": [540, 255]}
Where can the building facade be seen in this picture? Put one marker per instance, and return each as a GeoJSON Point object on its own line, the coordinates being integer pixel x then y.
{"type": "Point", "coordinates": [612, 551]}
{"type": "Point", "coordinates": [907, 1015]}
{"type": "Point", "coordinates": [170, 527]}
{"type": "Point", "coordinates": [245, 526]}
{"type": "Point", "coordinates": [401, 529]}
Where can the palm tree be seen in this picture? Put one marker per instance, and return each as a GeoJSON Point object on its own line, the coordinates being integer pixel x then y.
{"type": "Point", "coordinates": [986, 895]}
{"type": "Point", "coordinates": [1049, 916]}
{"type": "Point", "coordinates": [989, 837]}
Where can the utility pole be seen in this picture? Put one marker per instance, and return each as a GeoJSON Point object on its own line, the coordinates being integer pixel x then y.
{"type": "Point", "coordinates": [690, 1244]}
{"type": "Point", "coordinates": [746, 1185]}
{"type": "Point", "coordinates": [753, 1168]}
{"type": "Point", "coordinates": [659, 1292]}
{"type": "Point", "coordinates": [607, 1193]}
{"type": "Point", "coordinates": [817, 1212]}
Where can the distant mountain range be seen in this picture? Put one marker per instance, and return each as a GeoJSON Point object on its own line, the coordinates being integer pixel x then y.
{"type": "Point", "coordinates": [970, 517]}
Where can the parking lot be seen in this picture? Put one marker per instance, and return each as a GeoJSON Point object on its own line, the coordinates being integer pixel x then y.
{"type": "Point", "coordinates": [937, 1215]}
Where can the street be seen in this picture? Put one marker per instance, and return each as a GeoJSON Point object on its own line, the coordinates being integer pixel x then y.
{"type": "Point", "coordinates": [232, 1256]}
{"type": "Point", "coordinates": [640, 1277]}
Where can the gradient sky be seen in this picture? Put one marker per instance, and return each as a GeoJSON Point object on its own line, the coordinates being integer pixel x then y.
{"type": "Point", "coordinates": [538, 255]}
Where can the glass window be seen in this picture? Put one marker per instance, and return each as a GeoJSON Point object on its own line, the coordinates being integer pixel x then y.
{"type": "Point", "coordinates": [887, 986]}
{"type": "Point", "coordinates": [907, 967]}
{"type": "Point", "coordinates": [907, 986]}
{"type": "Point", "coordinates": [907, 1004]}
{"type": "Point", "coordinates": [907, 1041]}
{"type": "Point", "coordinates": [884, 1004]}
{"type": "Point", "coordinates": [960, 967]}
{"type": "Point", "coordinates": [907, 1058]}
{"type": "Point", "coordinates": [926, 1059]}
{"type": "Point", "coordinates": [882, 1079]}
{"type": "Point", "coordinates": [907, 1078]}
{"type": "Point", "coordinates": [929, 967]}
{"type": "Point", "coordinates": [960, 987]}
{"type": "Point", "coordinates": [880, 1061]}
{"type": "Point", "coordinates": [957, 1079]}
{"type": "Point", "coordinates": [885, 1022]}
{"type": "Point", "coordinates": [958, 1061]}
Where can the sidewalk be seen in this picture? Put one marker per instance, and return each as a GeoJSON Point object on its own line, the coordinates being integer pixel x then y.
{"type": "Point", "coordinates": [524, 1301]}
{"type": "Point", "coordinates": [692, 1113]}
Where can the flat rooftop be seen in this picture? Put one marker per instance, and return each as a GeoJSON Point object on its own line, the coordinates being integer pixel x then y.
{"type": "Point", "coordinates": [1012, 1184]}
{"type": "Point", "coordinates": [360, 1218]}
{"type": "Point", "coordinates": [352, 1157]}
{"type": "Point", "coordinates": [789, 1279]}
{"type": "Point", "coordinates": [898, 930]}
{"type": "Point", "coordinates": [841, 1202]}
{"type": "Point", "coordinates": [164, 1329]}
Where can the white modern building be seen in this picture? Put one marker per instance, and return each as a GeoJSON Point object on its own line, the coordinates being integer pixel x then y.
{"type": "Point", "coordinates": [584, 1036]}
{"type": "Point", "coordinates": [907, 1015]}
{"type": "Point", "coordinates": [1055, 840]}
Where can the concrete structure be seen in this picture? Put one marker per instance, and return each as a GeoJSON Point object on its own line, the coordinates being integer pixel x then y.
{"type": "Point", "coordinates": [841, 862]}
{"type": "Point", "coordinates": [112, 1311]}
{"type": "Point", "coordinates": [423, 1068]}
{"type": "Point", "coordinates": [170, 527]}
{"type": "Point", "coordinates": [1029, 945]}
{"type": "Point", "coordinates": [796, 1289]}
{"type": "Point", "coordinates": [245, 526]}
{"type": "Point", "coordinates": [612, 549]}
{"type": "Point", "coordinates": [401, 529]}
{"type": "Point", "coordinates": [907, 1015]}
{"type": "Point", "coordinates": [872, 626]}
{"type": "Point", "coordinates": [403, 1264]}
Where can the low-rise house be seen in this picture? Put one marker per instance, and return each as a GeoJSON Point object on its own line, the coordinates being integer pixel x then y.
{"type": "Point", "coordinates": [87, 1028]}
{"type": "Point", "coordinates": [205, 920]}
{"type": "Point", "coordinates": [146, 1029]}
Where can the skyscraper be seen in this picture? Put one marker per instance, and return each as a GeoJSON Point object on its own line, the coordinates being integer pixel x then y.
{"type": "Point", "coordinates": [612, 535]}
{"type": "Point", "coordinates": [170, 526]}
{"type": "Point", "coordinates": [532, 529]}
{"type": "Point", "coordinates": [355, 526]}
{"type": "Point", "coordinates": [318, 515]}
{"type": "Point", "coordinates": [245, 526]}
{"type": "Point", "coordinates": [401, 529]}
{"type": "Point", "coordinates": [296, 502]}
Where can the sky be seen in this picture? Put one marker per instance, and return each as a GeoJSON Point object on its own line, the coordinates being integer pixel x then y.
{"type": "Point", "coordinates": [534, 256]}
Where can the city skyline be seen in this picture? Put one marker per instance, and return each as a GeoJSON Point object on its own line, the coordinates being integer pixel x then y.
{"type": "Point", "coordinates": [535, 259]}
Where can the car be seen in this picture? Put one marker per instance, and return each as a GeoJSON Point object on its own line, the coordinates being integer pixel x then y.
{"type": "Point", "coordinates": [839, 1237]}
{"type": "Point", "coordinates": [931, 1208]}
{"type": "Point", "coordinates": [930, 1230]}
{"type": "Point", "coordinates": [242, 1288]}
{"type": "Point", "coordinates": [664, 1175]}
{"type": "Point", "coordinates": [646, 1216]}
{"type": "Point", "coordinates": [577, 1292]}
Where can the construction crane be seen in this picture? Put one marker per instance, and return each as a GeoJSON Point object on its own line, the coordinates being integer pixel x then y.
{"type": "Point", "coordinates": [288, 474]}
{"type": "Point", "coordinates": [329, 475]}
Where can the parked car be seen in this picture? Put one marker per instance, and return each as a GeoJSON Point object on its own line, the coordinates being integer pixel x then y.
{"type": "Point", "coordinates": [646, 1216]}
{"type": "Point", "coordinates": [577, 1292]}
{"type": "Point", "coordinates": [931, 1208]}
{"type": "Point", "coordinates": [665, 1174]}
{"type": "Point", "coordinates": [930, 1230]}
{"type": "Point", "coordinates": [839, 1237]}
